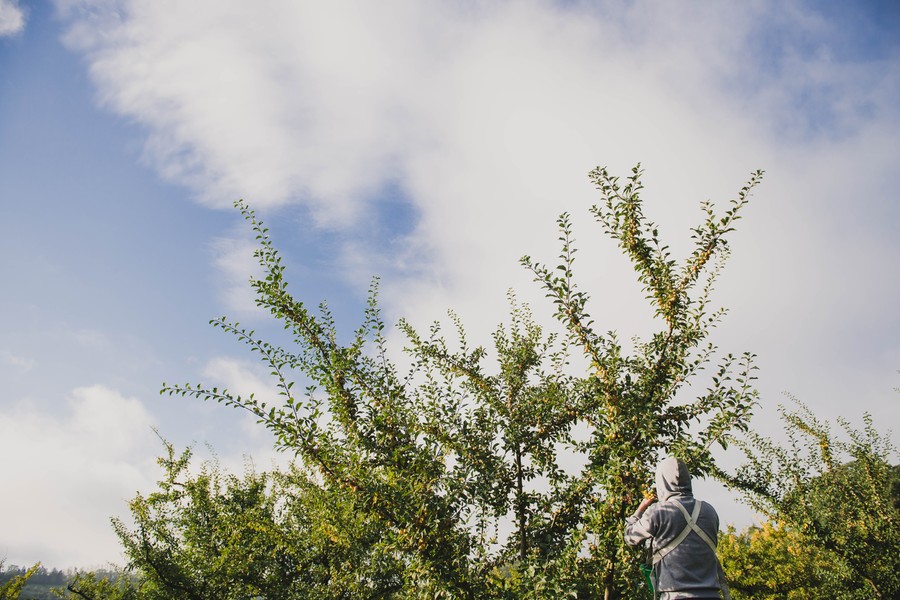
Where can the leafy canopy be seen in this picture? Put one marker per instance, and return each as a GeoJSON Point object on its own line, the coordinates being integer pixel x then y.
{"type": "Point", "coordinates": [839, 495]}
{"type": "Point", "coordinates": [463, 468]}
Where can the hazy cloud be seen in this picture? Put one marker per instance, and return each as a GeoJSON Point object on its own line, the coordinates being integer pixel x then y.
{"type": "Point", "coordinates": [76, 468]}
{"type": "Point", "coordinates": [486, 117]}
{"type": "Point", "coordinates": [12, 18]}
{"type": "Point", "coordinates": [244, 378]}
{"type": "Point", "coordinates": [20, 364]}
{"type": "Point", "coordinates": [233, 257]}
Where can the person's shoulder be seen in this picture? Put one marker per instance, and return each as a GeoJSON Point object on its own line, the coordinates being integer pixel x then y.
{"type": "Point", "coordinates": [652, 511]}
{"type": "Point", "coordinates": [709, 510]}
{"type": "Point", "coordinates": [688, 503]}
{"type": "Point", "coordinates": [663, 509]}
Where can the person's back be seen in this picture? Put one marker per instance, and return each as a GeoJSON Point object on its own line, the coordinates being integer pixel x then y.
{"type": "Point", "coordinates": [685, 563]}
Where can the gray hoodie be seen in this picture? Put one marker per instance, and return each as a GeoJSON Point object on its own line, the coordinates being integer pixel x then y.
{"type": "Point", "coordinates": [691, 569]}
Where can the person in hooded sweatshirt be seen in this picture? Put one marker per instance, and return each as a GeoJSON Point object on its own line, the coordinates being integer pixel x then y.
{"type": "Point", "coordinates": [684, 563]}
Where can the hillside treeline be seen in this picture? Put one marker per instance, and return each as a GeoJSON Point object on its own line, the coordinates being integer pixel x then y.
{"type": "Point", "coordinates": [40, 576]}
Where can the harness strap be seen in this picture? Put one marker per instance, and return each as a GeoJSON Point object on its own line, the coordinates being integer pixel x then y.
{"type": "Point", "coordinates": [691, 525]}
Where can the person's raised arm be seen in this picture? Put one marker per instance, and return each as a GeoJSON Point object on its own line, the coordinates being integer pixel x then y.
{"type": "Point", "coordinates": [645, 504]}
{"type": "Point", "coordinates": [636, 531]}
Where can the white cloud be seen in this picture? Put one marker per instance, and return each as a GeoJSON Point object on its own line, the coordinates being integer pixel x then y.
{"type": "Point", "coordinates": [242, 378]}
{"type": "Point", "coordinates": [67, 472]}
{"type": "Point", "coordinates": [12, 18]}
{"type": "Point", "coordinates": [20, 364]}
{"type": "Point", "coordinates": [487, 117]}
{"type": "Point", "coordinates": [236, 265]}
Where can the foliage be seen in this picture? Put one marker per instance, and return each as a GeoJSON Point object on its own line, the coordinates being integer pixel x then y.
{"type": "Point", "coordinates": [37, 583]}
{"type": "Point", "coordinates": [275, 535]}
{"type": "Point", "coordinates": [632, 400]}
{"type": "Point", "coordinates": [837, 494]}
{"type": "Point", "coordinates": [12, 588]}
{"type": "Point", "coordinates": [439, 463]}
{"type": "Point", "coordinates": [774, 562]}
{"type": "Point", "coordinates": [105, 586]}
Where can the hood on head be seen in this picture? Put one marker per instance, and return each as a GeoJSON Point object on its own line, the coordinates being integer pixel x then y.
{"type": "Point", "coordinates": [672, 479]}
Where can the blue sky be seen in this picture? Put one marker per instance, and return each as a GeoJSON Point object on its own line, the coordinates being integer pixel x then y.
{"type": "Point", "coordinates": [431, 144]}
